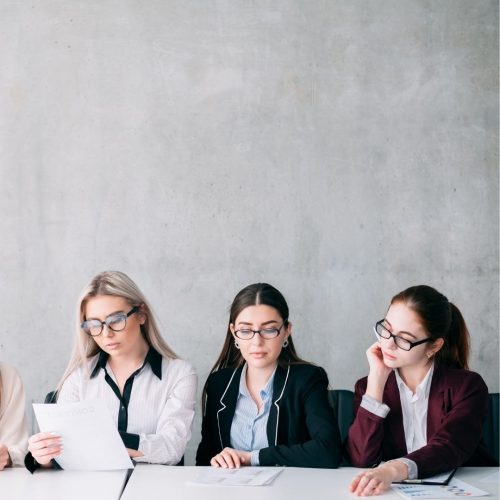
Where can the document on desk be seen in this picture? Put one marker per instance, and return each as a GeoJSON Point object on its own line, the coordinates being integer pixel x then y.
{"type": "Point", "coordinates": [454, 489]}
{"type": "Point", "coordinates": [246, 476]}
{"type": "Point", "coordinates": [90, 438]}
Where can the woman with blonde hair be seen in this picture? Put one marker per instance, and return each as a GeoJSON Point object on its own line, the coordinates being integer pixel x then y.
{"type": "Point", "coordinates": [13, 430]}
{"type": "Point", "coordinates": [120, 357]}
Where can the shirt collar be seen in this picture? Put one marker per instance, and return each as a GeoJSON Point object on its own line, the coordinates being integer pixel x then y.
{"type": "Point", "coordinates": [423, 388]}
{"type": "Point", "coordinates": [153, 357]}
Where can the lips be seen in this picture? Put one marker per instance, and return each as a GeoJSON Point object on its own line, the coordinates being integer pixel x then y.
{"type": "Point", "coordinates": [112, 346]}
{"type": "Point", "coordinates": [258, 354]}
{"type": "Point", "coordinates": [389, 356]}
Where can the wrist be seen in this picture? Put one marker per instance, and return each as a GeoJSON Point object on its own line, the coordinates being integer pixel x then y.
{"type": "Point", "coordinates": [375, 386]}
{"type": "Point", "coordinates": [399, 470]}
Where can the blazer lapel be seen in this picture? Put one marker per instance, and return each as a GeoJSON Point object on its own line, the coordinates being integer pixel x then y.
{"type": "Point", "coordinates": [439, 402]}
{"type": "Point", "coordinates": [227, 407]}
{"type": "Point", "coordinates": [279, 384]}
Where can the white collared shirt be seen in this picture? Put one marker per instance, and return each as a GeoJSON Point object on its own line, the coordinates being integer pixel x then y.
{"type": "Point", "coordinates": [414, 408]}
{"type": "Point", "coordinates": [160, 409]}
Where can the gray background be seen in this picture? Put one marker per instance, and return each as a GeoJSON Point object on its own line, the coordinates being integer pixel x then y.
{"type": "Point", "coordinates": [340, 150]}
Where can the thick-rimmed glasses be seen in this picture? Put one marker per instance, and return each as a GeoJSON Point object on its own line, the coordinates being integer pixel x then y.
{"type": "Point", "coordinates": [265, 333]}
{"type": "Point", "coordinates": [116, 322]}
{"type": "Point", "coordinates": [381, 331]}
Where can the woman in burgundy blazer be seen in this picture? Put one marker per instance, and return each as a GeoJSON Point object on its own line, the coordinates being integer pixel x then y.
{"type": "Point", "coordinates": [425, 340]}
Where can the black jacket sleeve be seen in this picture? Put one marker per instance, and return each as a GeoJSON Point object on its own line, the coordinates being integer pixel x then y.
{"type": "Point", "coordinates": [210, 444]}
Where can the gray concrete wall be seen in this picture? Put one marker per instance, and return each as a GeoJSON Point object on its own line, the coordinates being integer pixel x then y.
{"type": "Point", "coordinates": [339, 150]}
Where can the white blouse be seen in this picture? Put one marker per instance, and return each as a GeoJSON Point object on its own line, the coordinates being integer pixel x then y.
{"type": "Point", "coordinates": [156, 409]}
{"type": "Point", "coordinates": [13, 429]}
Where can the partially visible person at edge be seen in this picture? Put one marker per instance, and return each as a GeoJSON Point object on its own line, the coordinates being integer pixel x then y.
{"type": "Point", "coordinates": [420, 409]}
{"type": "Point", "coordinates": [120, 357]}
{"type": "Point", "coordinates": [262, 404]}
{"type": "Point", "coordinates": [13, 429]}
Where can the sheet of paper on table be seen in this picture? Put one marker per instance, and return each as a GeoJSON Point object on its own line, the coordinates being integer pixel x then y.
{"type": "Point", "coordinates": [90, 438]}
{"type": "Point", "coordinates": [246, 476]}
{"type": "Point", "coordinates": [454, 489]}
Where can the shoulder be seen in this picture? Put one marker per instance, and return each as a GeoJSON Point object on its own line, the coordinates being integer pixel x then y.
{"type": "Point", "coordinates": [8, 373]}
{"type": "Point", "coordinates": [176, 368]}
{"type": "Point", "coordinates": [458, 378]}
{"type": "Point", "coordinates": [10, 379]}
{"type": "Point", "coordinates": [306, 375]}
{"type": "Point", "coordinates": [222, 377]}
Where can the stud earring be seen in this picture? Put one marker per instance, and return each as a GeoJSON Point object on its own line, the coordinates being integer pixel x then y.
{"type": "Point", "coordinates": [285, 343]}
{"type": "Point", "coordinates": [236, 344]}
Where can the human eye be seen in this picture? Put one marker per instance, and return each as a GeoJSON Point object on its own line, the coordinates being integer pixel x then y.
{"type": "Point", "coordinates": [115, 319]}
{"type": "Point", "coordinates": [92, 326]}
{"type": "Point", "coordinates": [245, 332]}
{"type": "Point", "coordinates": [269, 332]}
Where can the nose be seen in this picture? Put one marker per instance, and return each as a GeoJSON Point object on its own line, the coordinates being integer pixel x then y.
{"type": "Point", "coordinates": [106, 331]}
{"type": "Point", "coordinates": [389, 343]}
{"type": "Point", "coordinates": [257, 339]}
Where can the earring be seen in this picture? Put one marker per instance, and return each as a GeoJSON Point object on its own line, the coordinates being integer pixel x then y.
{"type": "Point", "coordinates": [285, 343]}
{"type": "Point", "coordinates": [236, 344]}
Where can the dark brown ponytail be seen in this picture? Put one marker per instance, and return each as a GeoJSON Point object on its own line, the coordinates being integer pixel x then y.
{"type": "Point", "coordinates": [441, 319]}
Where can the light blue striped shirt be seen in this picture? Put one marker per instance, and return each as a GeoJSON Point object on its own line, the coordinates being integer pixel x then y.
{"type": "Point", "coordinates": [249, 426]}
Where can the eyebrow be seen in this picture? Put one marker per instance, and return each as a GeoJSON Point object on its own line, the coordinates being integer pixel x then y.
{"type": "Point", "coordinates": [262, 324]}
{"type": "Point", "coordinates": [402, 331]}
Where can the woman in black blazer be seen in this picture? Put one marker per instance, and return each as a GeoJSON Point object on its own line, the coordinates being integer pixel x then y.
{"type": "Point", "coordinates": [262, 404]}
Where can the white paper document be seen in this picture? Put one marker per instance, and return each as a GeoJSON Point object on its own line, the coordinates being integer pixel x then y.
{"type": "Point", "coordinates": [454, 489]}
{"type": "Point", "coordinates": [90, 438]}
{"type": "Point", "coordinates": [246, 476]}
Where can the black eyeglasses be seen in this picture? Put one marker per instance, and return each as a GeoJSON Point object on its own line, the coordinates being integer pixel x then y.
{"type": "Point", "coordinates": [265, 333]}
{"type": "Point", "coordinates": [116, 322]}
{"type": "Point", "coordinates": [381, 331]}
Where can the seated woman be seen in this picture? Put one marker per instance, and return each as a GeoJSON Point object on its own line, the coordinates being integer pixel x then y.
{"type": "Point", "coordinates": [119, 356]}
{"type": "Point", "coordinates": [262, 404]}
{"type": "Point", "coordinates": [13, 430]}
{"type": "Point", "coordinates": [420, 409]}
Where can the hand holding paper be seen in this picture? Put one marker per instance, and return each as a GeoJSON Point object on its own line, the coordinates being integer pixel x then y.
{"type": "Point", "coordinates": [89, 437]}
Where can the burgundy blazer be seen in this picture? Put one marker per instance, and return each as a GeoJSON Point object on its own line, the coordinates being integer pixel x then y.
{"type": "Point", "coordinates": [458, 403]}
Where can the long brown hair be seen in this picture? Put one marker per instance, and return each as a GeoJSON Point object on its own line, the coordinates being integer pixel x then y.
{"type": "Point", "coordinates": [441, 319]}
{"type": "Point", "coordinates": [253, 295]}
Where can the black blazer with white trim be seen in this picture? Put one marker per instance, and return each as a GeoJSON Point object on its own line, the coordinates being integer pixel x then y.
{"type": "Point", "coordinates": [301, 429]}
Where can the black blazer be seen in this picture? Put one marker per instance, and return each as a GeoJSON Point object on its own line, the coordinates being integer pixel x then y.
{"type": "Point", "coordinates": [301, 429]}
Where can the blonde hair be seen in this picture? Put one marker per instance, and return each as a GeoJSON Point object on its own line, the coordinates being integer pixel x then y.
{"type": "Point", "coordinates": [117, 284]}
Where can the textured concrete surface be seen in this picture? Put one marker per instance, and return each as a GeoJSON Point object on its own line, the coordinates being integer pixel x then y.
{"type": "Point", "coordinates": [339, 150]}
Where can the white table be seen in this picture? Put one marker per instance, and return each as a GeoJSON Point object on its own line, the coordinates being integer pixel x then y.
{"type": "Point", "coordinates": [151, 482]}
{"type": "Point", "coordinates": [19, 484]}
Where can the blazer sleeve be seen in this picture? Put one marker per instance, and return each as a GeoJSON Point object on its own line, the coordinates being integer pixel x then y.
{"type": "Point", "coordinates": [365, 439]}
{"type": "Point", "coordinates": [456, 440]}
{"type": "Point", "coordinates": [323, 449]}
{"type": "Point", "coordinates": [13, 428]}
{"type": "Point", "coordinates": [209, 445]}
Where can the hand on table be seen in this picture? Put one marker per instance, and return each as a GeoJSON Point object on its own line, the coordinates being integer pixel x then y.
{"type": "Point", "coordinates": [134, 453]}
{"type": "Point", "coordinates": [375, 481]}
{"type": "Point", "coordinates": [5, 460]}
{"type": "Point", "coordinates": [229, 458]}
{"type": "Point", "coordinates": [45, 446]}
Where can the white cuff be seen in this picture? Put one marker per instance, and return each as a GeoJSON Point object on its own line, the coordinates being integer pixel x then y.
{"type": "Point", "coordinates": [254, 457]}
{"type": "Point", "coordinates": [373, 406]}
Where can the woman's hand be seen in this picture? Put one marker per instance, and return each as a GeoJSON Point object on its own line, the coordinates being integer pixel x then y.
{"type": "Point", "coordinates": [379, 372]}
{"type": "Point", "coordinates": [134, 453]}
{"type": "Point", "coordinates": [45, 446]}
{"type": "Point", "coordinates": [375, 481]}
{"type": "Point", "coordinates": [5, 460]}
{"type": "Point", "coordinates": [229, 458]}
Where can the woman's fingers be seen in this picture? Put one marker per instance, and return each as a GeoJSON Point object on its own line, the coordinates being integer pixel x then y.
{"type": "Point", "coordinates": [227, 459]}
{"type": "Point", "coordinates": [45, 446]}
